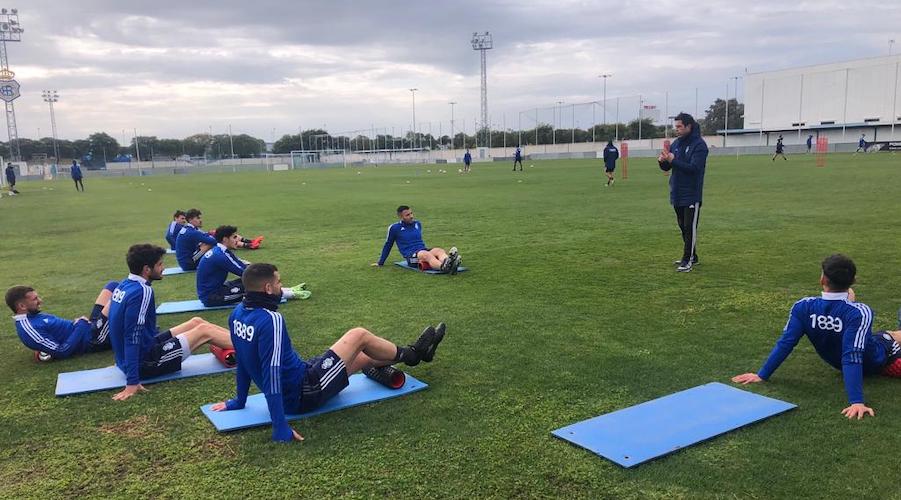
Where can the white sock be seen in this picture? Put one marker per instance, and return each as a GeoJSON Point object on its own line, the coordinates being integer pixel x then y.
{"type": "Point", "coordinates": [287, 293]}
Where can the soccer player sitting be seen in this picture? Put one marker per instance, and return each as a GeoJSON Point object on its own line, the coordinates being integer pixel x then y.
{"type": "Point", "coordinates": [407, 233]}
{"type": "Point", "coordinates": [140, 350]}
{"type": "Point", "coordinates": [218, 262]}
{"type": "Point", "coordinates": [840, 330]}
{"type": "Point", "coordinates": [192, 243]}
{"type": "Point", "coordinates": [290, 384]}
{"type": "Point", "coordinates": [53, 337]}
{"type": "Point", "coordinates": [178, 222]}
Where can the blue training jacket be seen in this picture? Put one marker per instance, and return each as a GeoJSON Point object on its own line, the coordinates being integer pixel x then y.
{"type": "Point", "coordinates": [686, 182]}
{"type": "Point", "coordinates": [213, 269]}
{"type": "Point", "coordinates": [60, 338]}
{"type": "Point", "coordinates": [132, 324]}
{"type": "Point", "coordinates": [265, 355]}
{"type": "Point", "coordinates": [172, 233]}
{"type": "Point", "coordinates": [841, 333]}
{"type": "Point", "coordinates": [189, 238]}
{"type": "Point", "coordinates": [76, 172]}
{"type": "Point", "coordinates": [467, 158]}
{"type": "Point", "coordinates": [611, 154]}
{"type": "Point", "coordinates": [408, 238]}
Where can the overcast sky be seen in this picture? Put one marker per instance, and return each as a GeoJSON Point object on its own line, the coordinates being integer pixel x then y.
{"type": "Point", "coordinates": [174, 68]}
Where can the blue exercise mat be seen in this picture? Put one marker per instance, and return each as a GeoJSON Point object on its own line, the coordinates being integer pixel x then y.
{"type": "Point", "coordinates": [661, 426]}
{"type": "Point", "coordinates": [404, 265]}
{"type": "Point", "coordinates": [360, 391]}
{"type": "Point", "coordinates": [184, 306]}
{"type": "Point", "coordinates": [111, 377]}
{"type": "Point", "coordinates": [169, 271]}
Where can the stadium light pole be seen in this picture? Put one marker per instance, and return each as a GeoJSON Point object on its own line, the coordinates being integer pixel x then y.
{"type": "Point", "coordinates": [605, 76]}
{"type": "Point", "coordinates": [452, 103]}
{"type": "Point", "coordinates": [560, 104]}
{"type": "Point", "coordinates": [891, 45]}
{"type": "Point", "coordinates": [413, 140]}
{"type": "Point", "coordinates": [50, 97]}
{"type": "Point", "coordinates": [483, 43]}
{"type": "Point", "coordinates": [10, 31]}
{"type": "Point", "coordinates": [640, 103]}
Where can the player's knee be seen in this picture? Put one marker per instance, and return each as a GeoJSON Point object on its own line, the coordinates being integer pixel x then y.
{"type": "Point", "coordinates": [357, 335]}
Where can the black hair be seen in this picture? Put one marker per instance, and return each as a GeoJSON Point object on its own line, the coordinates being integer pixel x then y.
{"type": "Point", "coordinates": [192, 213]}
{"type": "Point", "coordinates": [17, 294]}
{"type": "Point", "coordinates": [143, 254]}
{"type": "Point", "coordinates": [686, 120]}
{"type": "Point", "coordinates": [258, 274]}
{"type": "Point", "coordinates": [178, 213]}
{"type": "Point", "coordinates": [223, 232]}
{"type": "Point", "coordinates": [402, 208]}
{"type": "Point", "coordinates": [839, 271]}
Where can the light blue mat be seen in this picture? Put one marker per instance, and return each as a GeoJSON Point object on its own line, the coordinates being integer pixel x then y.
{"type": "Point", "coordinates": [661, 426]}
{"type": "Point", "coordinates": [191, 306]}
{"type": "Point", "coordinates": [360, 391]}
{"type": "Point", "coordinates": [111, 377]}
{"type": "Point", "coordinates": [404, 265]}
{"type": "Point", "coordinates": [170, 251]}
{"type": "Point", "coordinates": [169, 271]}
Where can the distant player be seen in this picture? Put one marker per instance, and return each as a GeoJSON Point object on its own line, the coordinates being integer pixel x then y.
{"type": "Point", "coordinates": [611, 154]}
{"type": "Point", "coordinates": [52, 337]}
{"type": "Point", "coordinates": [77, 176]}
{"type": "Point", "coordinates": [407, 233]}
{"type": "Point", "coordinates": [290, 384]}
{"type": "Point", "coordinates": [467, 161]}
{"type": "Point", "coordinates": [780, 149]}
{"type": "Point", "coordinates": [840, 330]}
{"type": "Point", "coordinates": [213, 269]}
{"type": "Point", "coordinates": [862, 144]}
{"type": "Point", "coordinates": [178, 222]}
{"type": "Point", "coordinates": [141, 351]}
{"type": "Point", "coordinates": [11, 179]}
{"type": "Point", "coordinates": [809, 143]}
{"type": "Point", "coordinates": [517, 158]}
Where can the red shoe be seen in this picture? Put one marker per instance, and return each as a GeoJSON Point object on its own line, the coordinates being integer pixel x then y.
{"type": "Point", "coordinates": [225, 356]}
{"type": "Point", "coordinates": [255, 243]}
{"type": "Point", "coordinates": [42, 357]}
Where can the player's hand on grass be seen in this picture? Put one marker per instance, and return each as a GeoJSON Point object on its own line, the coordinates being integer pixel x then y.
{"type": "Point", "coordinates": [747, 378]}
{"type": "Point", "coordinates": [858, 410]}
{"type": "Point", "coordinates": [296, 435]}
{"type": "Point", "coordinates": [129, 391]}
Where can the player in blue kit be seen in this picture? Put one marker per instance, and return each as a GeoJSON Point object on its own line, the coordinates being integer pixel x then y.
{"type": "Point", "coordinates": [214, 267]}
{"type": "Point", "coordinates": [408, 235]}
{"type": "Point", "coordinates": [178, 222]}
{"type": "Point", "coordinates": [192, 243]}
{"type": "Point", "coordinates": [141, 351]}
{"type": "Point", "coordinates": [467, 161]}
{"type": "Point", "coordinates": [517, 158]}
{"type": "Point", "coordinates": [290, 384]}
{"type": "Point", "coordinates": [840, 330]}
{"type": "Point", "coordinates": [611, 154]}
{"type": "Point", "coordinates": [52, 337]}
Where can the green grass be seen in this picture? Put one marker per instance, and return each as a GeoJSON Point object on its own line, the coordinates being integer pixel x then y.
{"type": "Point", "coordinates": [571, 309]}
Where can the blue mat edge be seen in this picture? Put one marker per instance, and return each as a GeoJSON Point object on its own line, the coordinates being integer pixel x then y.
{"type": "Point", "coordinates": [205, 308]}
{"type": "Point", "coordinates": [788, 407]}
{"type": "Point", "coordinates": [149, 381]}
{"type": "Point", "coordinates": [205, 409]}
{"type": "Point", "coordinates": [402, 264]}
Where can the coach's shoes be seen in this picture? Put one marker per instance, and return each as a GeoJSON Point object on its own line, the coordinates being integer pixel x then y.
{"type": "Point", "coordinates": [684, 267]}
{"type": "Point", "coordinates": [429, 354]}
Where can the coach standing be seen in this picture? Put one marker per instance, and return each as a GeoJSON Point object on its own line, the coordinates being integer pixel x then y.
{"type": "Point", "coordinates": [687, 159]}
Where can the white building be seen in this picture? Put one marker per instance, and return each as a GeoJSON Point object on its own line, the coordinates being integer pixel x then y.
{"type": "Point", "coordinates": [841, 101]}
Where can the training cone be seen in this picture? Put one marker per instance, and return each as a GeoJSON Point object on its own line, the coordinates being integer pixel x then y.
{"type": "Point", "coordinates": [225, 356]}
{"type": "Point", "coordinates": [388, 376]}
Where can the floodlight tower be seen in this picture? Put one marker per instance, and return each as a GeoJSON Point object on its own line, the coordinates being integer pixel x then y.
{"type": "Point", "coordinates": [50, 97]}
{"type": "Point", "coordinates": [10, 31]}
{"type": "Point", "coordinates": [483, 42]}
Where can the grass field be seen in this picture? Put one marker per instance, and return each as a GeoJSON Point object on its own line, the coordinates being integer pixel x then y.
{"type": "Point", "coordinates": [571, 309]}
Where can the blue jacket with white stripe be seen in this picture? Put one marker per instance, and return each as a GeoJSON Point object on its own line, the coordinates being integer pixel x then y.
{"type": "Point", "coordinates": [408, 238]}
{"type": "Point", "coordinates": [60, 338]}
{"type": "Point", "coordinates": [265, 355]}
{"type": "Point", "coordinates": [686, 183]}
{"type": "Point", "coordinates": [132, 324]}
{"type": "Point", "coordinates": [840, 331]}
{"type": "Point", "coordinates": [213, 269]}
{"type": "Point", "coordinates": [186, 244]}
{"type": "Point", "coordinates": [172, 233]}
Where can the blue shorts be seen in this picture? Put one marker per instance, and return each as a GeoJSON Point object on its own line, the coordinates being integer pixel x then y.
{"type": "Point", "coordinates": [326, 376]}
{"type": "Point", "coordinates": [414, 252]}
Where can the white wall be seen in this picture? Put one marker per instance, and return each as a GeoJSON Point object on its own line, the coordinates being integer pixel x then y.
{"type": "Point", "coordinates": [778, 100]}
